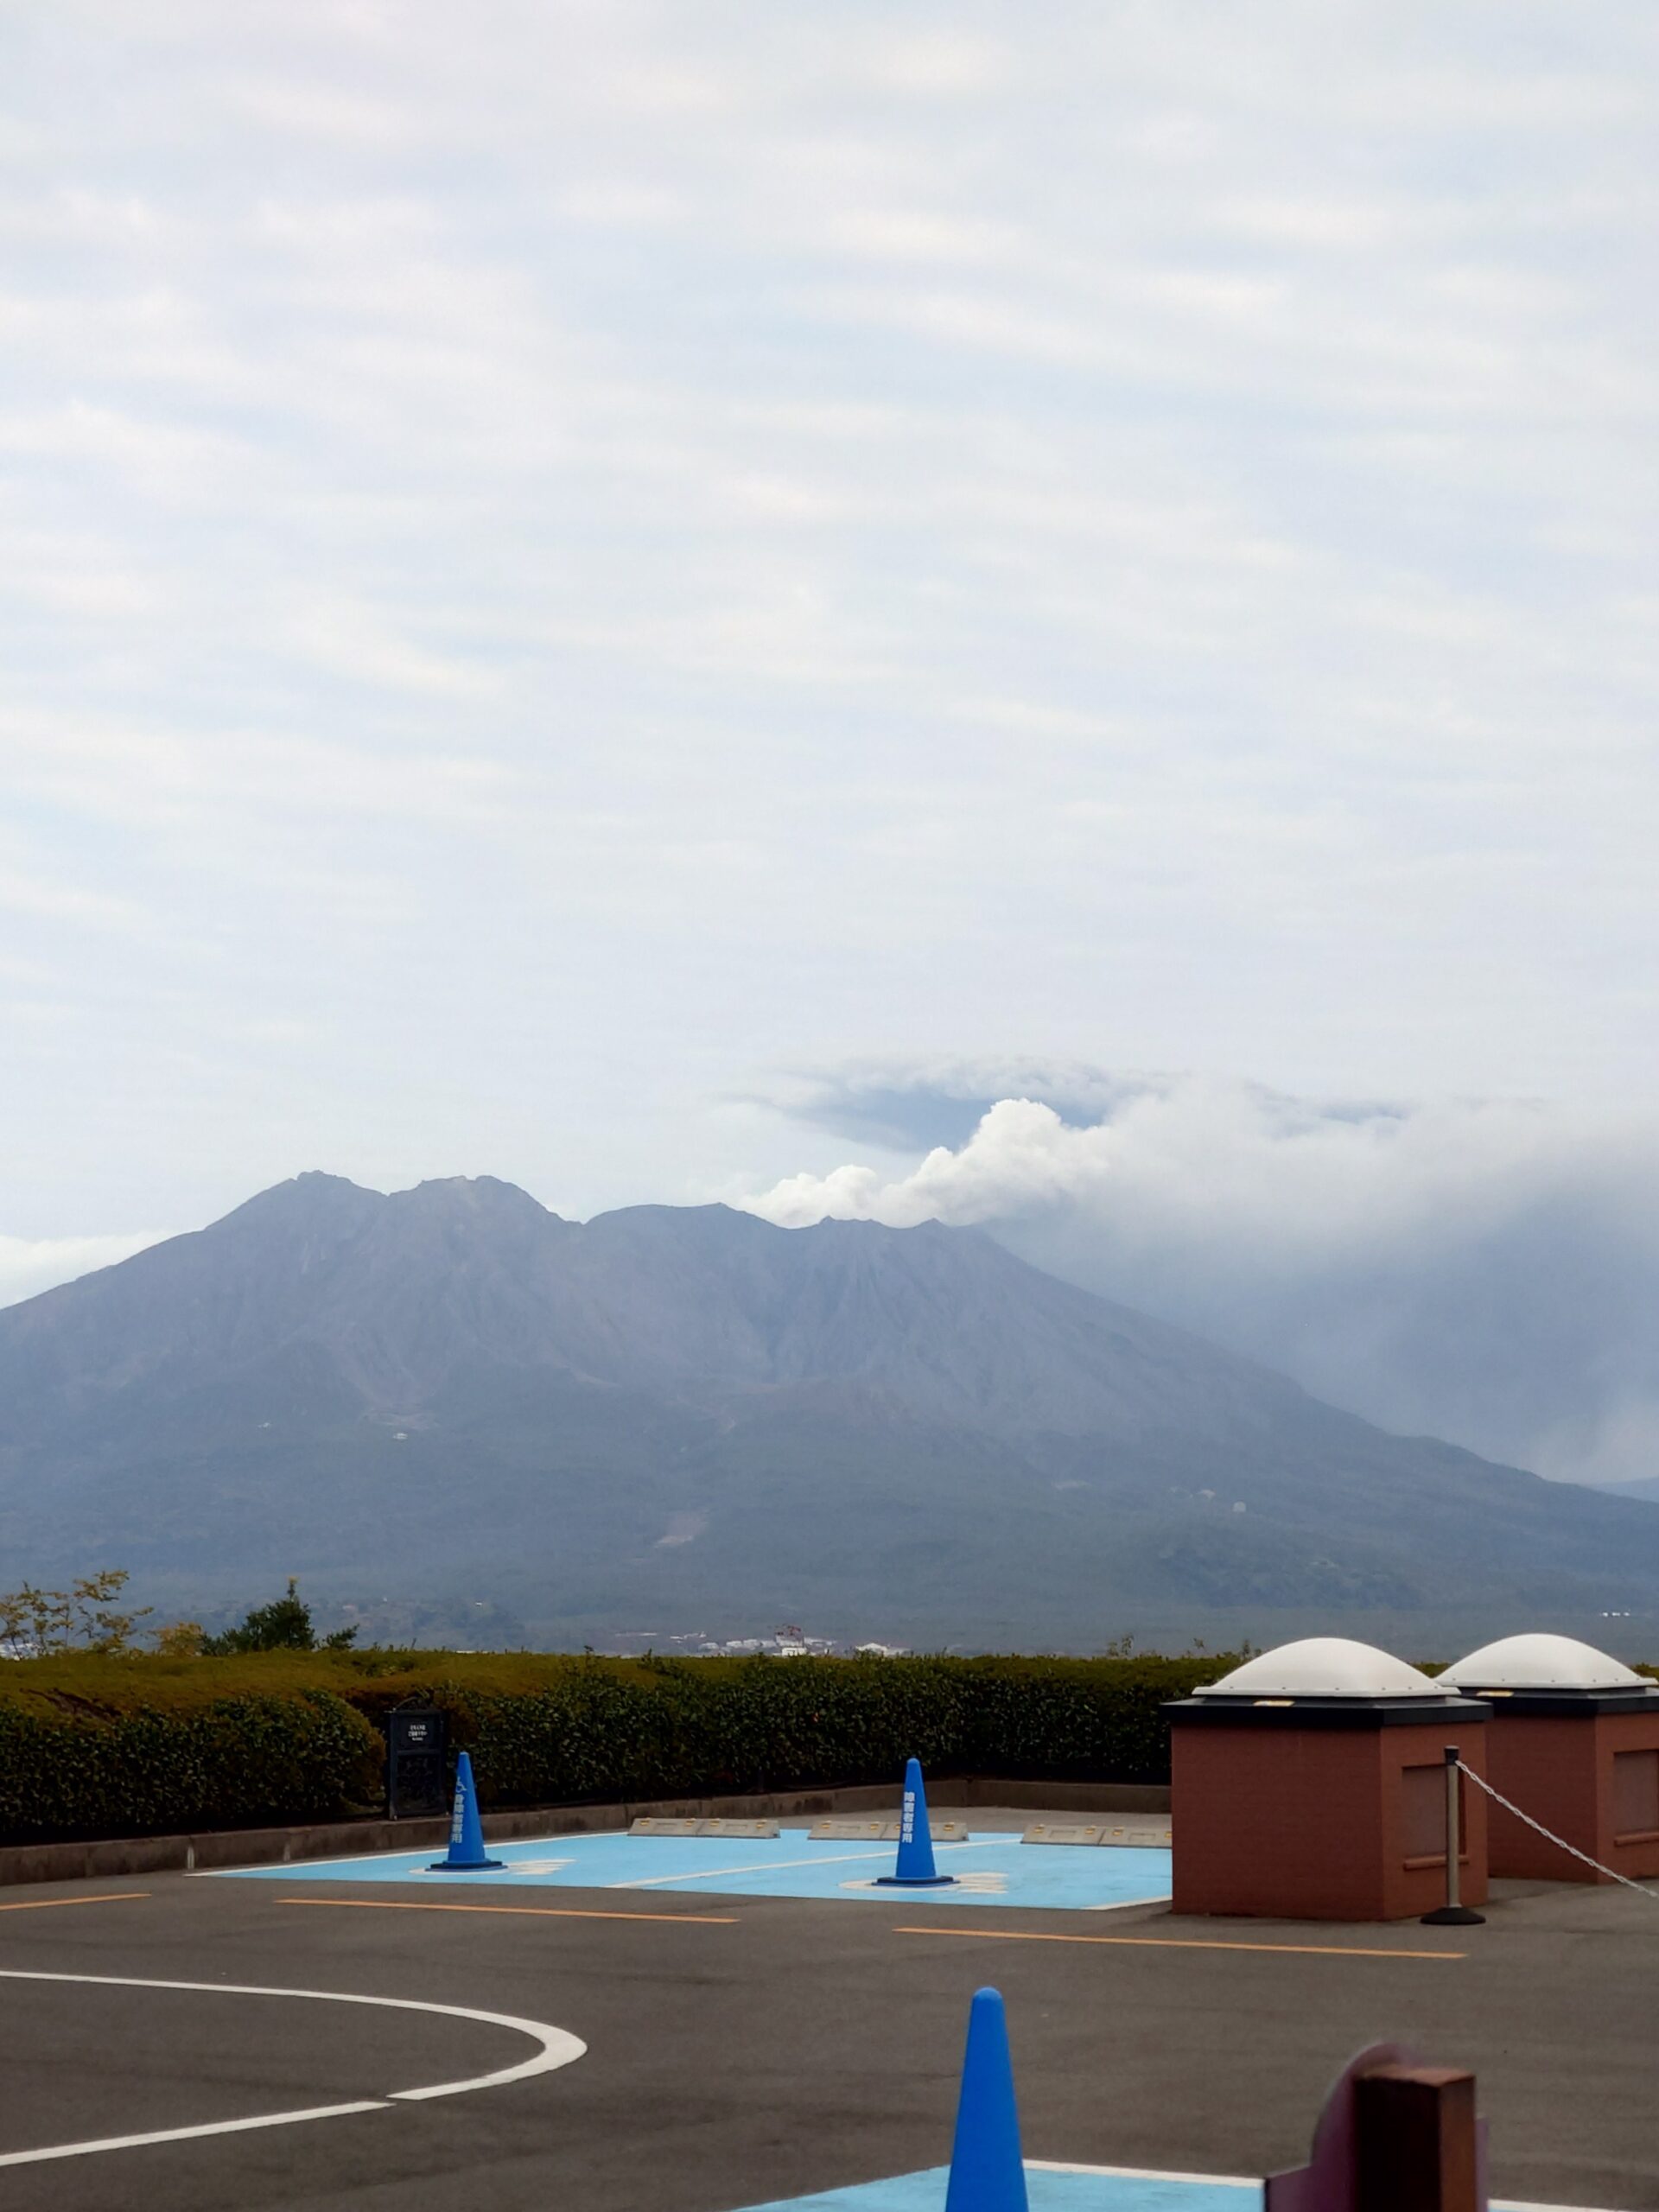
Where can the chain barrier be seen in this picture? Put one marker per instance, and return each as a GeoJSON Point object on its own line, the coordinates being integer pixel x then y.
{"type": "Point", "coordinates": [1498, 1796]}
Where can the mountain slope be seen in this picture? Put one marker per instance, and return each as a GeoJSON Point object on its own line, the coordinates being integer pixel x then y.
{"type": "Point", "coordinates": [1646, 1487]}
{"type": "Point", "coordinates": [688, 1410]}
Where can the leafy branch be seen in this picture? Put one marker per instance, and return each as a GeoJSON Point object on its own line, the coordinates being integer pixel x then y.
{"type": "Point", "coordinates": [84, 1617]}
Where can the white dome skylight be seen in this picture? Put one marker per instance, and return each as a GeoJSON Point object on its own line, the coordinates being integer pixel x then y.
{"type": "Point", "coordinates": [1323, 1666]}
{"type": "Point", "coordinates": [1542, 1663]}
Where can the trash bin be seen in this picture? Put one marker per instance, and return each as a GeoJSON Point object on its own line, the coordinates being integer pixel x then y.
{"type": "Point", "coordinates": [1310, 1784]}
{"type": "Point", "coordinates": [1573, 1740]}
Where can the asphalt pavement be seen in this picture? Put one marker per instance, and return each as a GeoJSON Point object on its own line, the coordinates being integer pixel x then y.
{"type": "Point", "coordinates": [743, 2050]}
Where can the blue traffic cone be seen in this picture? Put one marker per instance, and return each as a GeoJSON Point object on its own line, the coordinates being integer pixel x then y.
{"type": "Point", "coordinates": [465, 1853]}
{"type": "Point", "coordinates": [914, 1868]}
{"type": "Point", "coordinates": [987, 2173]}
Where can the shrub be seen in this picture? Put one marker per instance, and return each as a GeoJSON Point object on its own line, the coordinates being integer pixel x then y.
{"type": "Point", "coordinates": [147, 1743]}
{"type": "Point", "coordinates": [155, 1744]}
{"type": "Point", "coordinates": [229, 1762]}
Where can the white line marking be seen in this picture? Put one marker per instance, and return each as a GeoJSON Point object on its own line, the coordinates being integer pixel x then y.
{"type": "Point", "coordinates": [1245, 2181]}
{"type": "Point", "coordinates": [783, 1866]}
{"type": "Point", "coordinates": [287, 1867]}
{"type": "Point", "coordinates": [182, 2134]}
{"type": "Point", "coordinates": [558, 2048]}
{"type": "Point", "coordinates": [1242, 2182]}
{"type": "Point", "coordinates": [1516, 2204]}
{"type": "Point", "coordinates": [1123, 1904]}
{"type": "Point", "coordinates": [1144, 2173]}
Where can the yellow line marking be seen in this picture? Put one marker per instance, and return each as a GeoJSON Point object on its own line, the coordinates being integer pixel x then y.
{"type": "Point", "coordinates": [1182, 1943]}
{"type": "Point", "coordinates": [537, 1911]}
{"type": "Point", "coordinates": [44, 1905]}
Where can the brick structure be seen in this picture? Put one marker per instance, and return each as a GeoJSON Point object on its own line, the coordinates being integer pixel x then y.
{"type": "Point", "coordinates": [1310, 1784]}
{"type": "Point", "coordinates": [1575, 1741]}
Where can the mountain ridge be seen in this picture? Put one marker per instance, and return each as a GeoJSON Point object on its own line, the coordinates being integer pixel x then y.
{"type": "Point", "coordinates": [690, 1408]}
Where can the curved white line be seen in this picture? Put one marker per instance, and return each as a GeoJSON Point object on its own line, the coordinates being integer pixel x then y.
{"type": "Point", "coordinates": [558, 2047]}
{"type": "Point", "coordinates": [184, 2134]}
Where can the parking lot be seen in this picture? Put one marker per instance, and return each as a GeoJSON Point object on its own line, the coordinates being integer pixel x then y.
{"type": "Point", "coordinates": [328, 2039]}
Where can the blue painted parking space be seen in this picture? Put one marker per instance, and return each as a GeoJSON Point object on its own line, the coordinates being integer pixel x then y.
{"type": "Point", "coordinates": [1049, 2189]}
{"type": "Point", "coordinates": [995, 1869]}
{"type": "Point", "coordinates": [1063, 2189]}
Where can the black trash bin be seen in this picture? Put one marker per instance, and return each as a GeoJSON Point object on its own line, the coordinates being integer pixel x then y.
{"type": "Point", "coordinates": [417, 1775]}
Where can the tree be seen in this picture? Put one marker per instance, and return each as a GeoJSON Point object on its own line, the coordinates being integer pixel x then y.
{"type": "Point", "coordinates": [282, 1625]}
{"type": "Point", "coordinates": [99, 1626]}
{"type": "Point", "coordinates": [179, 1640]}
{"type": "Point", "coordinates": [35, 1622]}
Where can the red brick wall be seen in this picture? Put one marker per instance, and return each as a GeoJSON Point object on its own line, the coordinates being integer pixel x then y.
{"type": "Point", "coordinates": [1547, 1765]}
{"type": "Point", "coordinates": [1415, 1880]}
{"type": "Point", "coordinates": [1615, 1733]}
{"type": "Point", "coordinates": [1310, 1824]}
{"type": "Point", "coordinates": [1561, 1770]}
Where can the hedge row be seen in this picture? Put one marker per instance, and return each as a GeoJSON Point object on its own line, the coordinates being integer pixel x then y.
{"type": "Point", "coordinates": [675, 1728]}
{"type": "Point", "coordinates": [136, 1746]}
{"type": "Point", "coordinates": [238, 1761]}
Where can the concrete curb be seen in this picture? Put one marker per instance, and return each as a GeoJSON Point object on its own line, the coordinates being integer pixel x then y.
{"type": "Point", "coordinates": [160, 1854]}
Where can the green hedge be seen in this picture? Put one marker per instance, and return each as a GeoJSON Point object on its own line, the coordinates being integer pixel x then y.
{"type": "Point", "coordinates": [594, 1729]}
{"type": "Point", "coordinates": [146, 1745]}
{"type": "Point", "coordinates": [675, 1728]}
{"type": "Point", "coordinates": [235, 1761]}
{"type": "Point", "coordinates": [143, 1745]}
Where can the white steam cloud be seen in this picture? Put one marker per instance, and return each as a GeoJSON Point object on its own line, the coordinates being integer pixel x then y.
{"type": "Point", "coordinates": [1485, 1271]}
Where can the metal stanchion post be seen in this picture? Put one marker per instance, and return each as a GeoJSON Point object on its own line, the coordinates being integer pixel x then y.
{"type": "Point", "coordinates": [1453, 1913]}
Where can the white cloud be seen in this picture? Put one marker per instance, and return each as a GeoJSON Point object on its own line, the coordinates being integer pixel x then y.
{"type": "Point", "coordinates": [355, 641]}
{"type": "Point", "coordinates": [562, 554]}
{"type": "Point", "coordinates": [60, 901]}
{"type": "Point", "coordinates": [1242, 1163]}
{"type": "Point", "coordinates": [1476, 1269]}
{"type": "Point", "coordinates": [945, 64]}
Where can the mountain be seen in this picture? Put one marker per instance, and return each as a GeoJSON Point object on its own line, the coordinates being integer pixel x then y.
{"type": "Point", "coordinates": [1645, 1486]}
{"type": "Point", "coordinates": [687, 1418]}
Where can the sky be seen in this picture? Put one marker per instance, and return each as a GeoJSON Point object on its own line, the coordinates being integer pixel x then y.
{"type": "Point", "coordinates": [688, 602]}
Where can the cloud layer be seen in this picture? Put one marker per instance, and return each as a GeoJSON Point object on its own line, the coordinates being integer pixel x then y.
{"type": "Point", "coordinates": [1484, 1271]}
{"type": "Point", "coordinates": [557, 557]}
